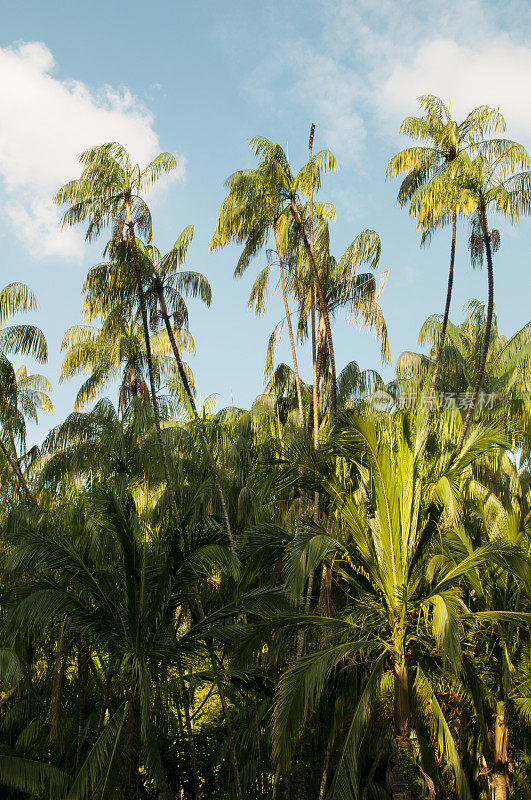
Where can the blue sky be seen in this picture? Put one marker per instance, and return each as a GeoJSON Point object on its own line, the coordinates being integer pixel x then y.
{"type": "Point", "coordinates": [199, 79]}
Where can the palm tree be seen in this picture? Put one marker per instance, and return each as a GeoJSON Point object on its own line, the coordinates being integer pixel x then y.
{"type": "Point", "coordinates": [504, 379]}
{"type": "Point", "coordinates": [344, 289]}
{"type": "Point", "coordinates": [480, 182]}
{"type": "Point", "coordinates": [116, 350]}
{"type": "Point", "coordinates": [168, 284]}
{"type": "Point", "coordinates": [110, 192]}
{"type": "Point", "coordinates": [23, 396]}
{"type": "Point", "coordinates": [17, 339]}
{"type": "Point", "coordinates": [500, 642]}
{"type": "Point", "coordinates": [388, 514]}
{"type": "Point", "coordinates": [128, 596]}
{"type": "Point", "coordinates": [269, 199]}
{"type": "Point", "coordinates": [442, 139]}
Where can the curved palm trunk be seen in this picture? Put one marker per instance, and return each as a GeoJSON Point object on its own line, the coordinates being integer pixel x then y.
{"type": "Point", "coordinates": [315, 371]}
{"type": "Point", "coordinates": [315, 376]}
{"type": "Point", "coordinates": [290, 331]}
{"type": "Point", "coordinates": [445, 317]}
{"type": "Point", "coordinates": [200, 427]}
{"type": "Point", "coordinates": [488, 325]}
{"type": "Point", "coordinates": [149, 358]}
{"type": "Point", "coordinates": [322, 304]}
{"type": "Point", "coordinates": [197, 597]}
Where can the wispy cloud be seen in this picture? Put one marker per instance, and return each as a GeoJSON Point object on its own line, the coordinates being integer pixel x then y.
{"type": "Point", "coordinates": [44, 125]}
{"type": "Point", "coordinates": [491, 72]}
{"type": "Point", "coordinates": [365, 64]}
{"type": "Point", "coordinates": [301, 79]}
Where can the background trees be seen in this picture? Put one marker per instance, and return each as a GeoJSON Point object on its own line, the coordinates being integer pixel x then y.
{"type": "Point", "coordinates": [201, 604]}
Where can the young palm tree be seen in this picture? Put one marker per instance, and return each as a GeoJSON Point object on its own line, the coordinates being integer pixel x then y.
{"type": "Point", "coordinates": [442, 139]}
{"type": "Point", "coordinates": [110, 192]}
{"type": "Point", "coordinates": [500, 642]}
{"type": "Point", "coordinates": [403, 608]}
{"type": "Point", "coordinates": [480, 183]}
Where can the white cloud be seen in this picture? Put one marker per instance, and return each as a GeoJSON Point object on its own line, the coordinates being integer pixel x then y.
{"type": "Point", "coordinates": [491, 72]}
{"type": "Point", "coordinates": [44, 125]}
{"type": "Point", "coordinates": [368, 62]}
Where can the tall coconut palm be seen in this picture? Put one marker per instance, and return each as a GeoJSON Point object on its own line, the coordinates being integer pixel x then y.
{"type": "Point", "coordinates": [269, 199]}
{"type": "Point", "coordinates": [442, 139]}
{"type": "Point", "coordinates": [479, 183]}
{"type": "Point", "coordinates": [111, 191]}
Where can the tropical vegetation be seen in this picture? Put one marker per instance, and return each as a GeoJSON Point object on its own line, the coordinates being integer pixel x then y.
{"type": "Point", "coordinates": [325, 595]}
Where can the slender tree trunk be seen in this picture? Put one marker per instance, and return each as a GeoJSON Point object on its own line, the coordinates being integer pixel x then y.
{"type": "Point", "coordinates": [290, 331]}
{"type": "Point", "coordinates": [499, 772]}
{"type": "Point", "coordinates": [321, 345]}
{"type": "Point", "coordinates": [401, 790]}
{"type": "Point", "coordinates": [149, 358]}
{"type": "Point", "coordinates": [15, 466]}
{"type": "Point", "coordinates": [230, 736]}
{"type": "Point", "coordinates": [315, 376]}
{"type": "Point", "coordinates": [256, 726]}
{"type": "Point", "coordinates": [197, 596]}
{"type": "Point", "coordinates": [488, 325]}
{"type": "Point", "coordinates": [326, 766]}
{"type": "Point", "coordinates": [199, 424]}
{"type": "Point", "coordinates": [315, 379]}
{"type": "Point", "coordinates": [190, 738]}
{"type": "Point", "coordinates": [445, 317]}
{"type": "Point", "coordinates": [55, 700]}
{"type": "Point", "coordinates": [82, 674]}
{"type": "Point", "coordinates": [322, 303]}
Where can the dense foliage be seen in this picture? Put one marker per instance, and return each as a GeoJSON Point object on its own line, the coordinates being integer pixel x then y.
{"type": "Point", "coordinates": [325, 595]}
